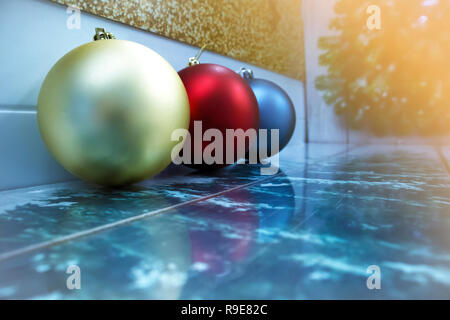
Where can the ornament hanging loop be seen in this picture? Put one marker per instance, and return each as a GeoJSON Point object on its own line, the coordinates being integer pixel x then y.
{"type": "Point", "coordinates": [102, 34]}
{"type": "Point", "coordinates": [194, 60]}
{"type": "Point", "coordinates": [246, 73]}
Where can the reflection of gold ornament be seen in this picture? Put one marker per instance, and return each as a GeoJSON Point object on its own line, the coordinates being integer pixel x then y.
{"type": "Point", "coordinates": [156, 259]}
{"type": "Point", "coordinates": [107, 110]}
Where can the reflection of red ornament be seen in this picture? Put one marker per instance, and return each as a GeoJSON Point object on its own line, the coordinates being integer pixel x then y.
{"type": "Point", "coordinates": [213, 247]}
{"type": "Point", "coordinates": [222, 100]}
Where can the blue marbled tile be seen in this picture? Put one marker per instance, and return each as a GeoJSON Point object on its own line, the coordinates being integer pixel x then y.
{"type": "Point", "coordinates": [149, 259]}
{"type": "Point", "coordinates": [309, 234]}
{"type": "Point", "coordinates": [32, 215]}
{"type": "Point", "coordinates": [36, 214]}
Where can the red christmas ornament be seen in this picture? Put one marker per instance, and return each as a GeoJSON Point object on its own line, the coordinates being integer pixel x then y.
{"type": "Point", "coordinates": [220, 99]}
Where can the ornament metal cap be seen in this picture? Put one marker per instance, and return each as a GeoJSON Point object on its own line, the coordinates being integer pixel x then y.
{"type": "Point", "coordinates": [194, 60]}
{"type": "Point", "coordinates": [102, 34]}
{"type": "Point", "coordinates": [246, 73]}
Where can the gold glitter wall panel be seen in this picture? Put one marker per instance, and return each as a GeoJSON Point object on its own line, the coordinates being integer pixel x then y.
{"type": "Point", "coordinates": [266, 33]}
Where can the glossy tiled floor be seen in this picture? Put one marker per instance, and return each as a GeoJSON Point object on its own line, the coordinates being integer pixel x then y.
{"type": "Point", "coordinates": [308, 232]}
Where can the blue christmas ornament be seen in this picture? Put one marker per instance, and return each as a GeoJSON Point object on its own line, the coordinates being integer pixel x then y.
{"type": "Point", "coordinates": [276, 110]}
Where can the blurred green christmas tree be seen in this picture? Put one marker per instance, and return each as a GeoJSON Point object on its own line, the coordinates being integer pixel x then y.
{"type": "Point", "coordinates": [395, 80]}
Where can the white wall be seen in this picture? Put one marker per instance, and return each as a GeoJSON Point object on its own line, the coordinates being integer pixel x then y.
{"type": "Point", "coordinates": [34, 36]}
{"type": "Point", "coordinates": [324, 125]}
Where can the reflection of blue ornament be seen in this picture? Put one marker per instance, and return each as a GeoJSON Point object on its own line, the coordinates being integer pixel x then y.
{"type": "Point", "coordinates": [275, 201]}
{"type": "Point", "coordinates": [276, 110]}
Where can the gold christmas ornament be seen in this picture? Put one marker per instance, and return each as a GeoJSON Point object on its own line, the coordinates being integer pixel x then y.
{"type": "Point", "coordinates": [107, 110]}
